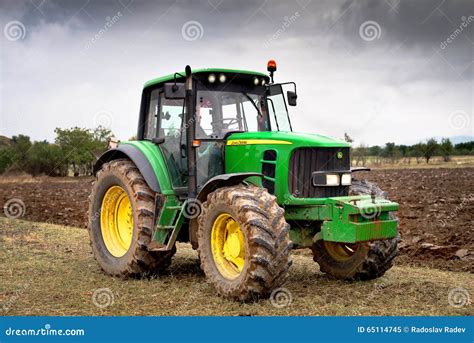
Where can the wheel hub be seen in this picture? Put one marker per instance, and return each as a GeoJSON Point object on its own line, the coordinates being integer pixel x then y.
{"type": "Point", "coordinates": [228, 246]}
{"type": "Point", "coordinates": [340, 251]}
{"type": "Point", "coordinates": [116, 221]}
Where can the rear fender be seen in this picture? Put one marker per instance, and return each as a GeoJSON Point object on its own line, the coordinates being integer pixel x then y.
{"type": "Point", "coordinates": [148, 159]}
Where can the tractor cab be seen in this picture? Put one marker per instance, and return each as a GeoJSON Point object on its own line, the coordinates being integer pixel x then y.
{"type": "Point", "coordinates": [224, 102]}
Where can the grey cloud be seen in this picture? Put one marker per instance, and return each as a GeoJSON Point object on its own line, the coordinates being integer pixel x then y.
{"type": "Point", "coordinates": [402, 80]}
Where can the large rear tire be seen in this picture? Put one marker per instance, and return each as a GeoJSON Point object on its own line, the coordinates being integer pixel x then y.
{"type": "Point", "coordinates": [244, 242]}
{"type": "Point", "coordinates": [360, 261]}
{"type": "Point", "coordinates": [121, 212]}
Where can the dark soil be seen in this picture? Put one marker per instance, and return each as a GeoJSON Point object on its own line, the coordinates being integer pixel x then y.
{"type": "Point", "coordinates": [436, 215]}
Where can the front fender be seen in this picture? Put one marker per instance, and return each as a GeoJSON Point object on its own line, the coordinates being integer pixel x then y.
{"type": "Point", "coordinates": [223, 181]}
{"type": "Point", "coordinates": [148, 159]}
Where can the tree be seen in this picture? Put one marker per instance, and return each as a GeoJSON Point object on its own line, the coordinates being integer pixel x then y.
{"type": "Point", "coordinates": [45, 158]}
{"type": "Point", "coordinates": [431, 148]}
{"type": "Point", "coordinates": [100, 140]}
{"type": "Point", "coordinates": [447, 149]}
{"type": "Point", "coordinates": [417, 151]}
{"type": "Point", "coordinates": [391, 151]}
{"type": "Point", "coordinates": [405, 152]}
{"type": "Point", "coordinates": [376, 152]}
{"type": "Point", "coordinates": [360, 154]}
{"type": "Point", "coordinates": [80, 147]}
{"type": "Point", "coordinates": [403, 149]}
{"type": "Point", "coordinates": [20, 145]}
{"type": "Point", "coordinates": [101, 135]}
{"type": "Point", "coordinates": [7, 157]}
{"type": "Point", "coordinates": [466, 148]}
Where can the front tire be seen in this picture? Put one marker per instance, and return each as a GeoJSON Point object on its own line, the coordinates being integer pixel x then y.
{"type": "Point", "coordinates": [360, 261]}
{"type": "Point", "coordinates": [244, 242]}
{"type": "Point", "coordinates": [121, 212]}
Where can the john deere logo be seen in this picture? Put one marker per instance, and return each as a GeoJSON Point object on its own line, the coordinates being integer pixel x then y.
{"type": "Point", "coordinates": [339, 155]}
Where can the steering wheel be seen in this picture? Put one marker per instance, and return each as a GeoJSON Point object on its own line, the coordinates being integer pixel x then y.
{"type": "Point", "coordinates": [222, 120]}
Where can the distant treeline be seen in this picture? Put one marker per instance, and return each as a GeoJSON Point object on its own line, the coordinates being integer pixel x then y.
{"type": "Point", "coordinates": [419, 152]}
{"type": "Point", "coordinates": [74, 151]}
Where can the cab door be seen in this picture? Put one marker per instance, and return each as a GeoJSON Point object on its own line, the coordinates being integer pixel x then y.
{"type": "Point", "coordinates": [165, 120]}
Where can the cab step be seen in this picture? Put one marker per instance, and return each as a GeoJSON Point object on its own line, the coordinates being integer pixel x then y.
{"type": "Point", "coordinates": [168, 225]}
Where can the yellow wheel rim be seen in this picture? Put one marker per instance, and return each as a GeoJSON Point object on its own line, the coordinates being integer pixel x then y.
{"type": "Point", "coordinates": [340, 251]}
{"type": "Point", "coordinates": [116, 221]}
{"type": "Point", "coordinates": [228, 246]}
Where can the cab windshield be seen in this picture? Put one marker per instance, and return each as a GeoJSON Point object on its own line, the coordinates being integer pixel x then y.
{"type": "Point", "coordinates": [219, 112]}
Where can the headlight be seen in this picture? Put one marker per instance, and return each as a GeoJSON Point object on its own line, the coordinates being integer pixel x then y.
{"type": "Point", "coordinates": [256, 81]}
{"type": "Point", "coordinates": [222, 78]}
{"type": "Point", "coordinates": [332, 180]}
{"type": "Point", "coordinates": [346, 179]}
{"type": "Point", "coordinates": [212, 78]}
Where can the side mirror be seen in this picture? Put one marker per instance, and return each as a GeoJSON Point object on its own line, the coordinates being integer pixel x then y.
{"type": "Point", "coordinates": [175, 91]}
{"type": "Point", "coordinates": [292, 96]}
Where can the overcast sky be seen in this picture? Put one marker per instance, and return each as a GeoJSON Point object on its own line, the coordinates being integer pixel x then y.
{"type": "Point", "coordinates": [382, 71]}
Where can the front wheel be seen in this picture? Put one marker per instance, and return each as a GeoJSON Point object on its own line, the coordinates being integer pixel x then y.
{"type": "Point", "coordinates": [244, 242]}
{"type": "Point", "coordinates": [359, 261]}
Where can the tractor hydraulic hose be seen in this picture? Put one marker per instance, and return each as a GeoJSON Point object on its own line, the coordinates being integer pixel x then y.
{"type": "Point", "coordinates": [190, 134]}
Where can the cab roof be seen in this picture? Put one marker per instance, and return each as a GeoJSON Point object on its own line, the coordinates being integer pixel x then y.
{"type": "Point", "coordinates": [170, 77]}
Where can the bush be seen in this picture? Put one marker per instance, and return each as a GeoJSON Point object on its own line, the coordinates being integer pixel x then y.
{"type": "Point", "coordinates": [45, 158]}
{"type": "Point", "coordinates": [7, 158]}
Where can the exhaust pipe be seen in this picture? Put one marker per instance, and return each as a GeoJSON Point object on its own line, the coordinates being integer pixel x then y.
{"type": "Point", "coordinates": [190, 134]}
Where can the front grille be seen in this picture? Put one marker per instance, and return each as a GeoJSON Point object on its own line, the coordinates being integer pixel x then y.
{"type": "Point", "coordinates": [305, 161]}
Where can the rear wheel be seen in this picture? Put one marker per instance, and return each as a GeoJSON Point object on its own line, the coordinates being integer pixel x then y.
{"type": "Point", "coordinates": [121, 212]}
{"type": "Point", "coordinates": [244, 243]}
{"type": "Point", "coordinates": [360, 261]}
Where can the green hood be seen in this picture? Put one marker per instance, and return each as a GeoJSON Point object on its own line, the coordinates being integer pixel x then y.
{"type": "Point", "coordinates": [284, 137]}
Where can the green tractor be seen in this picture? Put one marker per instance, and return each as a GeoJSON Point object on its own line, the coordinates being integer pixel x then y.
{"type": "Point", "coordinates": [217, 164]}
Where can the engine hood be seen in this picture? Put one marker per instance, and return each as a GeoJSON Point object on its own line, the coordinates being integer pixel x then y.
{"type": "Point", "coordinates": [284, 138]}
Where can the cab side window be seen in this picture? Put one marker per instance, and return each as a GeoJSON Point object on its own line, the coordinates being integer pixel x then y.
{"type": "Point", "coordinates": [169, 127]}
{"type": "Point", "coordinates": [152, 116]}
{"type": "Point", "coordinates": [171, 117]}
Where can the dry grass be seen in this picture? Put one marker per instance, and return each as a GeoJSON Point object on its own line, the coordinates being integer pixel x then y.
{"type": "Point", "coordinates": [49, 270]}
